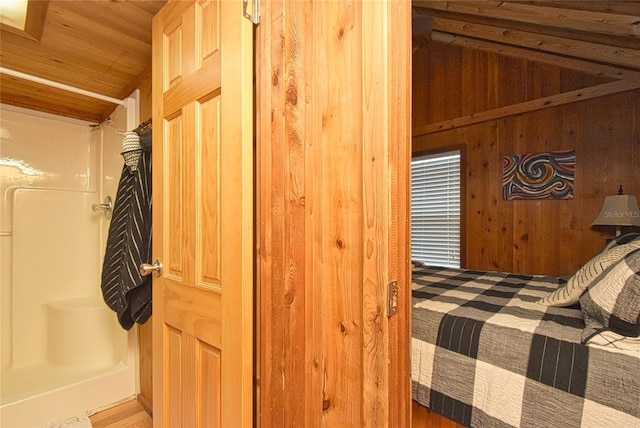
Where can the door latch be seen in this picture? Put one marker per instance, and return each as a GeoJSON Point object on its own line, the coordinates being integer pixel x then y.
{"type": "Point", "coordinates": [392, 298]}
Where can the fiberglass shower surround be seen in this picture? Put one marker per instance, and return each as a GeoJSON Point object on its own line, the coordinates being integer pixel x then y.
{"type": "Point", "coordinates": [63, 352]}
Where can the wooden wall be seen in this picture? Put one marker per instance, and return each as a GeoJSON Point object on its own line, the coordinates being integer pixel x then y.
{"type": "Point", "coordinates": [547, 236]}
{"type": "Point", "coordinates": [144, 331]}
{"type": "Point", "coordinates": [333, 147]}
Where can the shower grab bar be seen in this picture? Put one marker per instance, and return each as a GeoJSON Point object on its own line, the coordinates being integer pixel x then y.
{"type": "Point", "coordinates": [106, 207]}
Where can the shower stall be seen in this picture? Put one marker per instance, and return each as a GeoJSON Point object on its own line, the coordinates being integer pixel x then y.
{"type": "Point", "coordinates": [63, 352]}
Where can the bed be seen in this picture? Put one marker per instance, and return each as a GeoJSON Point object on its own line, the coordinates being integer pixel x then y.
{"type": "Point", "coordinates": [492, 349]}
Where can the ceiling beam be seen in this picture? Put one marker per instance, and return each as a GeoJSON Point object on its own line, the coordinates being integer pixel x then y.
{"type": "Point", "coordinates": [540, 42]}
{"type": "Point", "coordinates": [594, 68]}
{"type": "Point", "coordinates": [568, 19]}
{"type": "Point", "coordinates": [527, 106]}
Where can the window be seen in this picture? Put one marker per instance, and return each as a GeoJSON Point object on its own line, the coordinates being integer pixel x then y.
{"type": "Point", "coordinates": [435, 209]}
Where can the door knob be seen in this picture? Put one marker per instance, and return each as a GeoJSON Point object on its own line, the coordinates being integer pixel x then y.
{"type": "Point", "coordinates": [147, 269]}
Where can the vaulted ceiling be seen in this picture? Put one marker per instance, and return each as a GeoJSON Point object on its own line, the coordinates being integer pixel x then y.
{"type": "Point", "coordinates": [104, 46]}
{"type": "Point", "coordinates": [599, 37]}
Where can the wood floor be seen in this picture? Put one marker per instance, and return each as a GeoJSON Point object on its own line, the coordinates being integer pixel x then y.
{"type": "Point", "coordinates": [423, 418]}
{"type": "Point", "coordinates": [132, 415]}
{"type": "Point", "coordinates": [126, 415]}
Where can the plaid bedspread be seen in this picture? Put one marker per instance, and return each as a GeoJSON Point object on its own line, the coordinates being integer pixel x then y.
{"type": "Point", "coordinates": [484, 354]}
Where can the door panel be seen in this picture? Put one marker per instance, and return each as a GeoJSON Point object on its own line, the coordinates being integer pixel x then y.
{"type": "Point", "coordinates": [203, 203]}
{"type": "Point", "coordinates": [208, 178]}
{"type": "Point", "coordinates": [174, 229]}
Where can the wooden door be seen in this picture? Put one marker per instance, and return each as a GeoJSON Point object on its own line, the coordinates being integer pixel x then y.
{"type": "Point", "coordinates": [203, 215]}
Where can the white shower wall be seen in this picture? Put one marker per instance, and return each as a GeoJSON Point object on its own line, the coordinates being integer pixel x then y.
{"type": "Point", "coordinates": [51, 248]}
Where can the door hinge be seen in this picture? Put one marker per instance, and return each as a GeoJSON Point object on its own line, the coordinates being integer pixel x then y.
{"type": "Point", "coordinates": [392, 298]}
{"type": "Point", "coordinates": [255, 16]}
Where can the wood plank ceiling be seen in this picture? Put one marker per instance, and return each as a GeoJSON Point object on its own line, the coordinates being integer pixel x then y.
{"type": "Point", "coordinates": [99, 46]}
{"type": "Point", "coordinates": [591, 37]}
{"type": "Point", "coordinates": [105, 46]}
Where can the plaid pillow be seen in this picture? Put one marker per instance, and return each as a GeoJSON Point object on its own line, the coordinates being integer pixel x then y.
{"type": "Point", "coordinates": [612, 302]}
{"type": "Point", "coordinates": [622, 239]}
{"type": "Point", "coordinates": [578, 283]}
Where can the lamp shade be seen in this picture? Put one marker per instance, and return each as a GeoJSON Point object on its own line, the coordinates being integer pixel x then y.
{"type": "Point", "coordinates": [619, 210]}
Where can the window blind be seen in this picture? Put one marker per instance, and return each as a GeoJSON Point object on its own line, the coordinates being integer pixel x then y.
{"type": "Point", "coordinates": [435, 209]}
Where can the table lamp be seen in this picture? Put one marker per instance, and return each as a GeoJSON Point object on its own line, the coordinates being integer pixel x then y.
{"type": "Point", "coordinates": [619, 210]}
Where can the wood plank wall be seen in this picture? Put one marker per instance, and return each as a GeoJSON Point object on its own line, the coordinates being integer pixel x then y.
{"type": "Point", "coordinates": [549, 236]}
{"type": "Point", "coordinates": [145, 397]}
{"type": "Point", "coordinates": [333, 146]}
